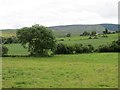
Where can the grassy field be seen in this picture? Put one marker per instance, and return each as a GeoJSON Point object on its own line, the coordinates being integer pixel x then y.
{"type": "Point", "coordinates": [17, 49]}
{"type": "Point", "coordinates": [84, 40]}
{"type": "Point", "coordinates": [8, 33]}
{"type": "Point", "coordinates": [62, 71]}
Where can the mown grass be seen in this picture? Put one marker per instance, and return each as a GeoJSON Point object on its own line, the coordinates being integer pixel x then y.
{"type": "Point", "coordinates": [62, 71]}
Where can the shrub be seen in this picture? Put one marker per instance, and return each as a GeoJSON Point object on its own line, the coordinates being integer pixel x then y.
{"type": "Point", "coordinates": [68, 35]}
{"type": "Point", "coordinates": [91, 48]}
{"type": "Point", "coordinates": [61, 40]}
{"type": "Point", "coordinates": [64, 49]}
{"type": "Point", "coordinates": [103, 48]}
{"type": "Point", "coordinates": [8, 40]}
{"type": "Point", "coordinates": [90, 38]}
{"type": "Point", "coordinates": [113, 47]}
{"type": "Point", "coordinates": [3, 50]}
{"type": "Point", "coordinates": [61, 49]}
{"type": "Point", "coordinates": [70, 49]}
{"type": "Point", "coordinates": [77, 48]}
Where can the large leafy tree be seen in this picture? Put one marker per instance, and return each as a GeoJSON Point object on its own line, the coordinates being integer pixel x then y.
{"type": "Point", "coordinates": [38, 39]}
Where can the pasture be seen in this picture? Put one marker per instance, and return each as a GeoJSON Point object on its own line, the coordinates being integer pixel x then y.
{"type": "Point", "coordinates": [17, 49]}
{"type": "Point", "coordinates": [95, 70]}
{"type": "Point", "coordinates": [85, 40]}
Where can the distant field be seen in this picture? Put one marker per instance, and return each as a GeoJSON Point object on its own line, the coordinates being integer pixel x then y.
{"type": "Point", "coordinates": [8, 33]}
{"type": "Point", "coordinates": [17, 49]}
{"type": "Point", "coordinates": [84, 40]}
{"type": "Point", "coordinates": [62, 71]}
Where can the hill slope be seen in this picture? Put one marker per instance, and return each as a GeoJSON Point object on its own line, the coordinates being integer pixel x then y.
{"type": "Point", "coordinates": [113, 27]}
{"type": "Point", "coordinates": [76, 29]}
{"type": "Point", "coordinates": [73, 29]}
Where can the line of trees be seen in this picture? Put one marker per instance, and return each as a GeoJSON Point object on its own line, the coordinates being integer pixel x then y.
{"type": "Point", "coordinates": [85, 33]}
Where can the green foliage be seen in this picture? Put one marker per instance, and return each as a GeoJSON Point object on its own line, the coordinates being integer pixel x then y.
{"type": "Point", "coordinates": [90, 38]}
{"type": "Point", "coordinates": [93, 33]}
{"type": "Point", "coordinates": [38, 39]}
{"type": "Point", "coordinates": [85, 33]}
{"type": "Point", "coordinates": [70, 49]}
{"type": "Point", "coordinates": [106, 31]}
{"type": "Point", "coordinates": [61, 39]}
{"type": "Point", "coordinates": [68, 35]}
{"type": "Point", "coordinates": [3, 50]}
{"type": "Point", "coordinates": [8, 40]}
{"type": "Point", "coordinates": [63, 49]}
{"type": "Point", "coordinates": [114, 47]}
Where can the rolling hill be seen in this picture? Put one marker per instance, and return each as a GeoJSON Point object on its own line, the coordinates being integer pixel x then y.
{"type": "Point", "coordinates": [73, 29]}
{"type": "Point", "coordinates": [77, 29]}
{"type": "Point", "coordinates": [112, 27]}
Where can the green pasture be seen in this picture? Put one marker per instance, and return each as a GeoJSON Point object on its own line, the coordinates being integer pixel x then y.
{"type": "Point", "coordinates": [85, 40]}
{"type": "Point", "coordinates": [17, 49]}
{"type": "Point", "coordinates": [96, 70]}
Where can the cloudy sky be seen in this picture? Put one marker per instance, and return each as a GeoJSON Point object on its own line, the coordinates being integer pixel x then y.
{"type": "Point", "coordinates": [20, 13]}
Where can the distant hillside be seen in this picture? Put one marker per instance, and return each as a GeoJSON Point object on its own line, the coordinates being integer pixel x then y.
{"type": "Point", "coordinates": [113, 27]}
{"type": "Point", "coordinates": [77, 29]}
{"type": "Point", "coordinates": [73, 29]}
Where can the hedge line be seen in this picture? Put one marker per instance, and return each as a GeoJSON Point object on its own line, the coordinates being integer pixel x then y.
{"type": "Point", "coordinates": [73, 49]}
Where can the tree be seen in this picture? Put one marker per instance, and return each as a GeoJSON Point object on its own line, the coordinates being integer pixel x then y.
{"type": "Point", "coordinates": [38, 39]}
{"type": "Point", "coordinates": [85, 33]}
{"type": "Point", "coordinates": [106, 31]}
{"type": "Point", "coordinates": [93, 33]}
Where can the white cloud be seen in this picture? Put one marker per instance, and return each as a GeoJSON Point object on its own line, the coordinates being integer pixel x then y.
{"type": "Point", "coordinates": [19, 13]}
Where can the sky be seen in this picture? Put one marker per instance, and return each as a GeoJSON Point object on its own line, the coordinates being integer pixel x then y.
{"type": "Point", "coordinates": [21, 13]}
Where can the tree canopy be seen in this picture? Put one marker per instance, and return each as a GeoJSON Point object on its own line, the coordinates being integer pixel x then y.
{"type": "Point", "coordinates": [38, 39]}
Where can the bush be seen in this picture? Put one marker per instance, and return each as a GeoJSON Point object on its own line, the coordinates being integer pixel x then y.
{"type": "Point", "coordinates": [68, 35]}
{"type": "Point", "coordinates": [90, 38]}
{"type": "Point", "coordinates": [61, 40]}
{"type": "Point", "coordinates": [61, 49]}
{"type": "Point", "coordinates": [3, 50]}
{"type": "Point", "coordinates": [8, 40]}
{"type": "Point", "coordinates": [91, 48]}
{"type": "Point", "coordinates": [113, 47]}
{"type": "Point", "coordinates": [64, 49]}
{"type": "Point", "coordinates": [103, 48]}
{"type": "Point", "coordinates": [77, 48]}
